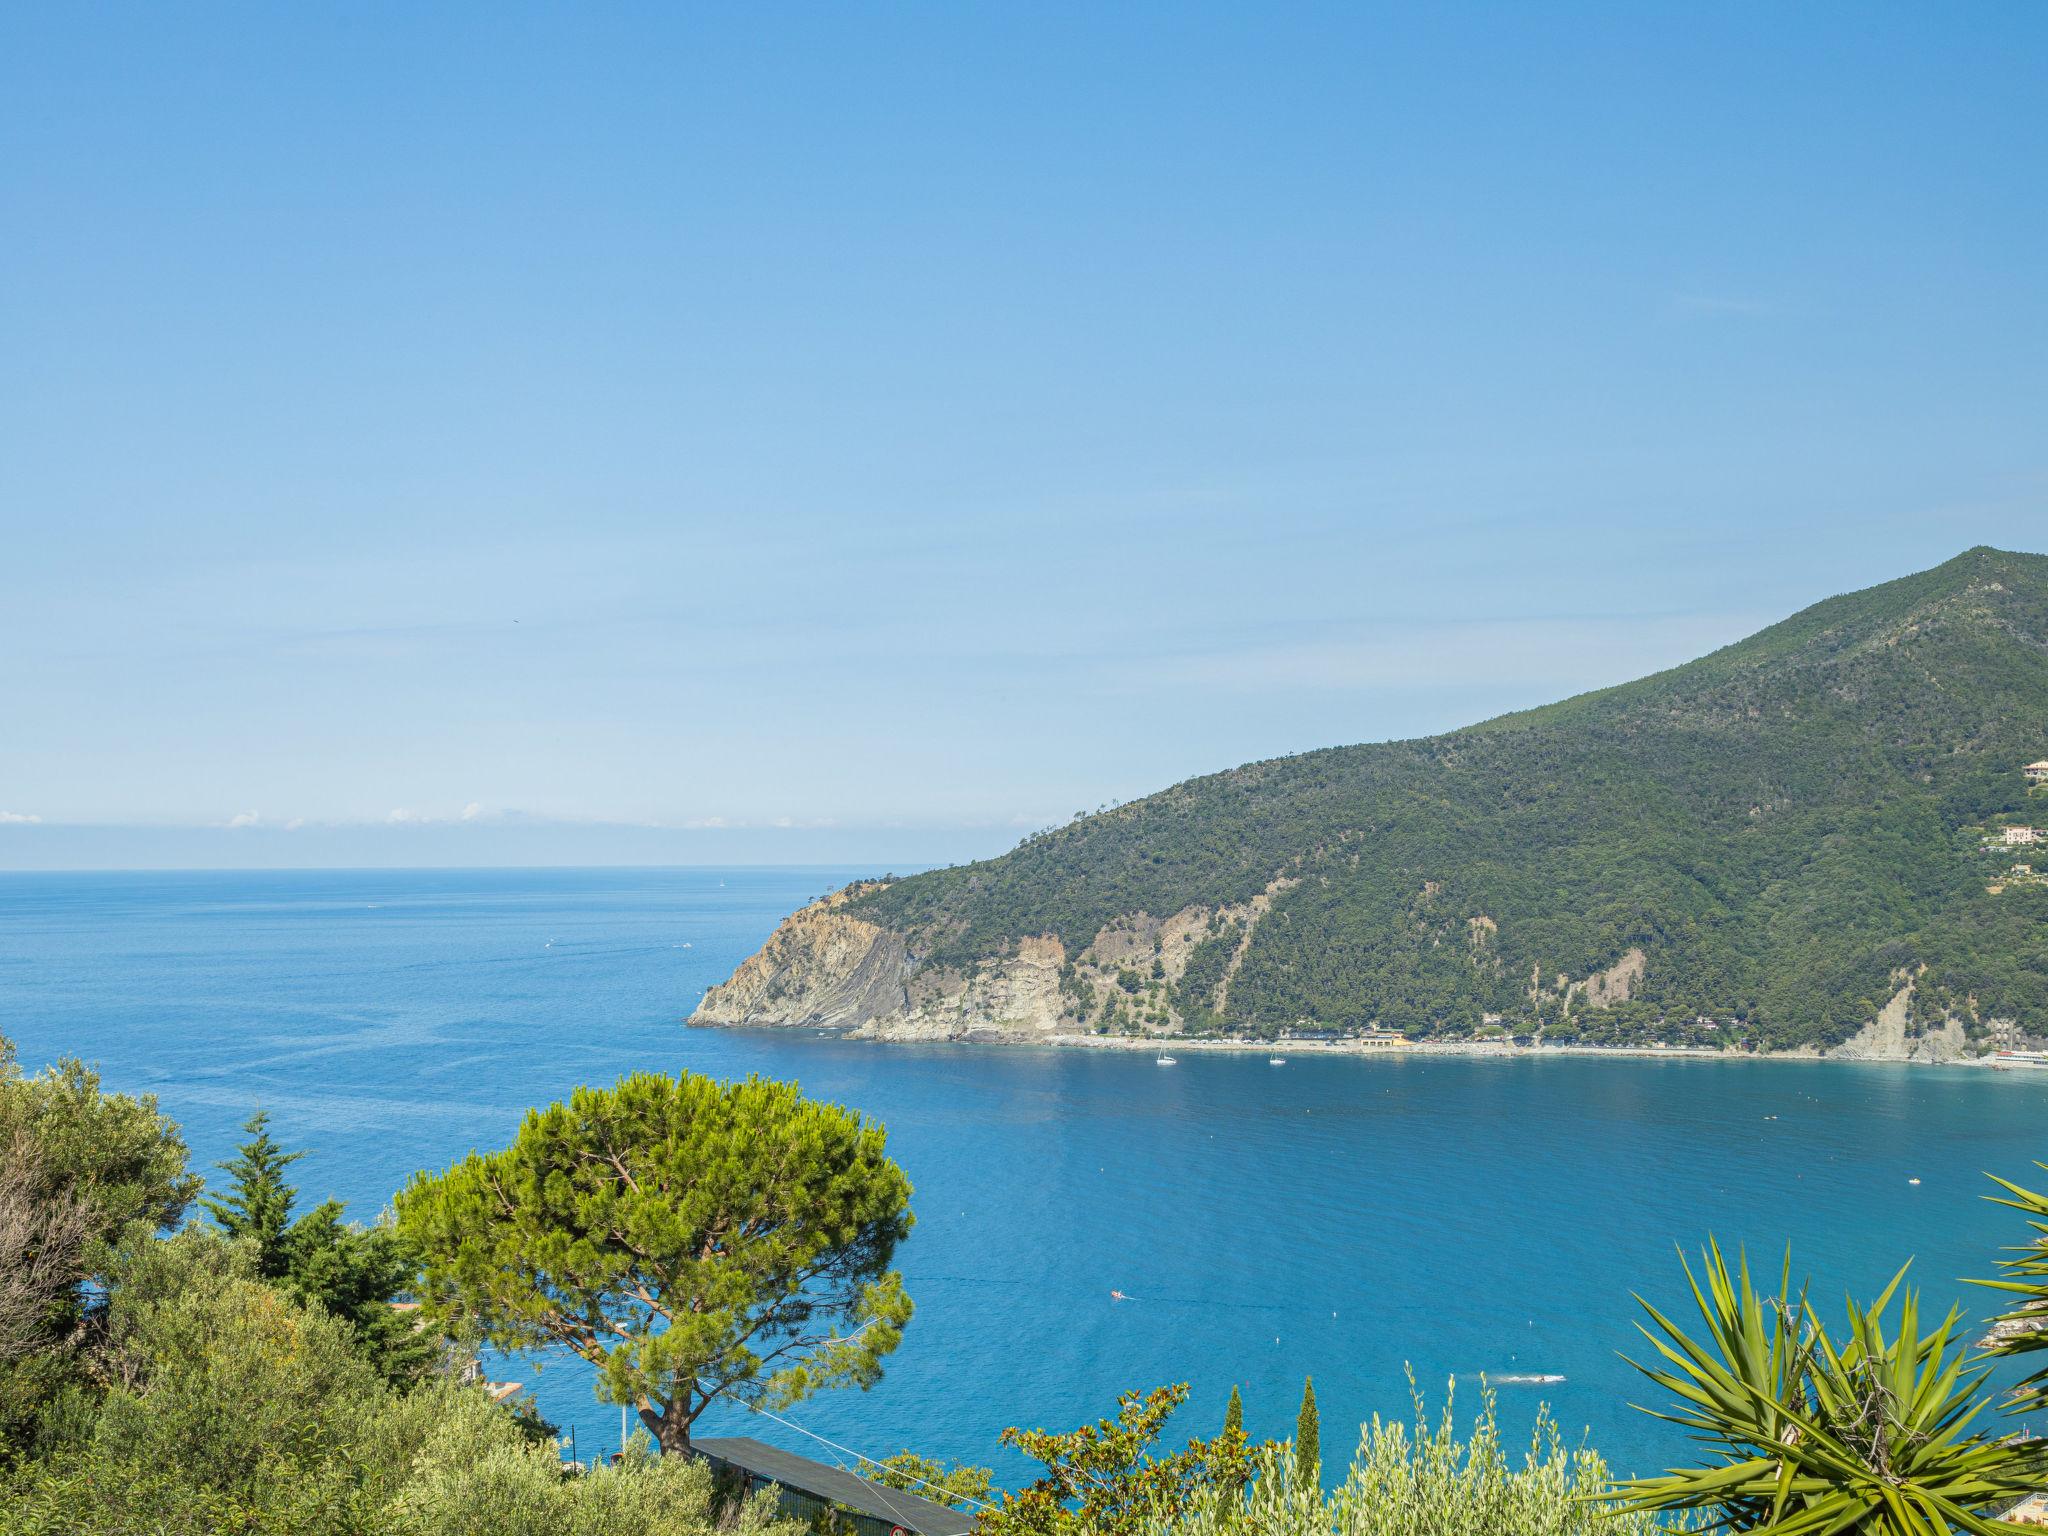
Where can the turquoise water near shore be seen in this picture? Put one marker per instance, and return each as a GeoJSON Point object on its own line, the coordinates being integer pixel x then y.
{"type": "Point", "coordinates": [1343, 1216]}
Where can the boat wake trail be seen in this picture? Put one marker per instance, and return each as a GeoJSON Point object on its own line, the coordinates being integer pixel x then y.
{"type": "Point", "coordinates": [1511, 1378]}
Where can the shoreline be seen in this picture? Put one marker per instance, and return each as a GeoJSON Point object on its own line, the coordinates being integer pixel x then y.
{"type": "Point", "coordinates": [1476, 1048]}
{"type": "Point", "coordinates": [1182, 1045]}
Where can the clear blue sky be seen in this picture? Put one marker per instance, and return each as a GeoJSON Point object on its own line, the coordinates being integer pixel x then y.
{"type": "Point", "coordinates": [639, 428]}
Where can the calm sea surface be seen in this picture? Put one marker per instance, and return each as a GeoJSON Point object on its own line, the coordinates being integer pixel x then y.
{"type": "Point", "coordinates": [1343, 1217]}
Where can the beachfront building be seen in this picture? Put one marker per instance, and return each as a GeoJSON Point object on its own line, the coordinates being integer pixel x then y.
{"type": "Point", "coordinates": [1383, 1038]}
{"type": "Point", "coordinates": [2037, 773]}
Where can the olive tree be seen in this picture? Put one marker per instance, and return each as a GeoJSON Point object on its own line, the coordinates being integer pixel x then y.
{"type": "Point", "coordinates": [113, 1156]}
{"type": "Point", "coordinates": [694, 1240]}
{"type": "Point", "coordinates": [80, 1169]}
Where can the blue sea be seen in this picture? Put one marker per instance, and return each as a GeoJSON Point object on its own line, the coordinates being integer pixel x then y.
{"type": "Point", "coordinates": [1350, 1218]}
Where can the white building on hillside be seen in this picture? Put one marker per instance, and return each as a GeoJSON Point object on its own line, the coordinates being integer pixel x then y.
{"type": "Point", "coordinates": [2014, 836]}
{"type": "Point", "coordinates": [2037, 773]}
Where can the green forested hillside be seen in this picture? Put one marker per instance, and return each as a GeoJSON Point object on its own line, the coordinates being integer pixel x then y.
{"type": "Point", "coordinates": [1784, 828]}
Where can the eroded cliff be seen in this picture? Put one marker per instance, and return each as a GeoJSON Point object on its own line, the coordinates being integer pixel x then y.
{"type": "Point", "coordinates": [827, 967]}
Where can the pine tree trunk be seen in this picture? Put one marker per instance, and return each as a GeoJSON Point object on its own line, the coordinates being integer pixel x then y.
{"type": "Point", "coordinates": [670, 1427]}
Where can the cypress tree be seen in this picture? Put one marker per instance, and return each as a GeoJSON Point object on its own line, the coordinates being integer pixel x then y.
{"type": "Point", "coordinates": [351, 1272]}
{"type": "Point", "coordinates": [1308, 1448]}
{"type": "Point", "coordinates": [1233, 1416]}
{"type": "Point", "coordinates": [260, 1204]}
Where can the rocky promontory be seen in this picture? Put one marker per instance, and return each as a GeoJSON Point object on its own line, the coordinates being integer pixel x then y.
{"type": "Point", "coordinates": [1823, 839]}
{"type": "Point", "coordinates": [829, 967]}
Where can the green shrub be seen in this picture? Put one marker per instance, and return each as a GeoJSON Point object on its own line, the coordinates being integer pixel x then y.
{"type": "Point", "coordinates": [225, 1389]}
{"type": "Point", "coordinates": [1424, 1482]}
{"type": "Point", "coordinates": [477, 1476]}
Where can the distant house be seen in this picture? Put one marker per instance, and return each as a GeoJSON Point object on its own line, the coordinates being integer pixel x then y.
{"type": "Point", "coordinates": [2016, 835]}
{"type": "Point", "coordinates": [1383, 1038]}
{"type": "Point", "coordinates": [2037, 773]}
{"type": "Point", "coordinates": [2032, 1510]}
{"type": "Point", "coordinates": [806, 1488]}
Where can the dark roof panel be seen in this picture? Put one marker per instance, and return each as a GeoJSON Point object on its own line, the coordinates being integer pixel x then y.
{"type": "Point", "coordinates": [909, 1510]}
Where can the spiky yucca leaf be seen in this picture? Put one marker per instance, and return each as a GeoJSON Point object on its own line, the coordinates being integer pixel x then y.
{"type": "Point", "coordinates": [2024, 1275]}
{"type": "Point", "coordinates": [1811, 1438]}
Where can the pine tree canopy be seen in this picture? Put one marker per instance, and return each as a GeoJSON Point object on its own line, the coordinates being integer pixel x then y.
{"type": "Point", "coordinates": [695, 1240]}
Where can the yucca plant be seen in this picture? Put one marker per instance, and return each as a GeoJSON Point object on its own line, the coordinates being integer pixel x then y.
{"type": "Point", "coordinates": [2024, 1329]}
{"type": "Point", "coordinates": [1871, 1437]}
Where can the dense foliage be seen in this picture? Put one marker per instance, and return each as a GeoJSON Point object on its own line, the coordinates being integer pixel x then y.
{"type": "Point", "coordinates": [1428, 1482]}
{"type": "Point", "coordinates": [1787, 829]}
{"type": "Point", "coordinates": [81, 1172]}
{"type": "Point", "coordinates": [349, 1271]}
{"type": "Point", "coordinates": [694, 1240]}
{"type": "Point", "coordinates": [237, 1379]}
{"type": "Point", "coordinates": [1104, 1480]}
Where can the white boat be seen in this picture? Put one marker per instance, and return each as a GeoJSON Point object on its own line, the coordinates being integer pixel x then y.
{"type": "Point", "coordinates": [1276, 1061]}
{"type": "Point", "coordinates": [1166, 1061]}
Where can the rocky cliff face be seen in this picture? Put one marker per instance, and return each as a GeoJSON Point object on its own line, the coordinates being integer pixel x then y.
{"type": "Point", "coordinates": [1890, 1037]}
{"type": "Point", "coordinates": [822, 966]}
{"type": "Point", "coordinates": [827, 967]}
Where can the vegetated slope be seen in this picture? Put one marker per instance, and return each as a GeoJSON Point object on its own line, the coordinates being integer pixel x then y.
{"type": "Point", "coordinates": [1780, 834]}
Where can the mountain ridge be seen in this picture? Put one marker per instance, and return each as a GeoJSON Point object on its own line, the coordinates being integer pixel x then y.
{"type": "Point", "coordinates": [1783, 839]}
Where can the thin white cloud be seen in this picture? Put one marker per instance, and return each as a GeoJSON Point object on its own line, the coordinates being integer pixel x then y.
{"type": "Point", "coordinates": [244, 819]}
{"type": "Point", "coordinates": [19, 819]}
{"type": "Point", "coordinates": [752, 824]}
{"type": "Point", "coordinates": [474, 811]}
